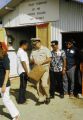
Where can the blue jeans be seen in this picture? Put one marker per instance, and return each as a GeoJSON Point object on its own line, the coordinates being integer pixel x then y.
{"type": "Point", "coordinates": [69, 78]}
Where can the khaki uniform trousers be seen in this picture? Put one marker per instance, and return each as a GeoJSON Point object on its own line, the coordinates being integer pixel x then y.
{"type": "Point", "coordinates": [43, 85]}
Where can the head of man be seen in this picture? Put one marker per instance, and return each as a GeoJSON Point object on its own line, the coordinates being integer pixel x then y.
{"type": "Point", "coordinates": [69, 44]}
{"type": "Point", "coordinates": [54, 45]}
{"type": "Point", "coordinates": [36, 42]}
{"type": "Point", "coordinates": [10, 40]}
{"type": "Point", "coordinates": [24, 45]}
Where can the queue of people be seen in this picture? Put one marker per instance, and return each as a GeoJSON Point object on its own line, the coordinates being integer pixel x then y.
{"type": "Point", "coordinates": [60, 67]}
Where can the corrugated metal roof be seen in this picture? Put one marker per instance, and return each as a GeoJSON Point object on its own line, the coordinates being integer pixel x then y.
{"type": "Point", "coordinates": [11, 4]}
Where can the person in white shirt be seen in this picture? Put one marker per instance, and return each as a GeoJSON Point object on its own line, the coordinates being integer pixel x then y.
{"type": "Point", "coordinates": [23, 70]}
{"type": "Point", "coordinates": [12, 54]}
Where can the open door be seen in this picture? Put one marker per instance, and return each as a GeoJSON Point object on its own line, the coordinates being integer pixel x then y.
{"type": "Point", "coordinates": [76, 36]}
{"type": "Point", "coordinates": [43, 31]}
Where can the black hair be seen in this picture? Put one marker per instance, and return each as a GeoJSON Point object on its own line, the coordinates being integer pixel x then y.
{"type": "Point", "coordinates": [23, 42]}
{"type": "Point", "coordinates": [55, 42]}
{"type": "Point", "coordinates": [70, 40]}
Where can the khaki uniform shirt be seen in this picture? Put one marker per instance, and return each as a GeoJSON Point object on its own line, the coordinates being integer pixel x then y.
{"type": "Point", "coordinates": [40, 55]}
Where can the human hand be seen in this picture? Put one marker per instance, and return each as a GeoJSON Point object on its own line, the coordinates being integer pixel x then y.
{"type": "Point", "coordinates": [3, 89]}
{"type": "Point", "coordinates": [63, 72]}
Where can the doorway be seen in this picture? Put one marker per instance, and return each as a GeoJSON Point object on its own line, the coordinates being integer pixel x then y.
{"type": "Point", "coordinates": [43, 31]}
{"type": "Point", "coordinates": [22, 33]}
{"type": "Point", "coordinates": [76, 36]}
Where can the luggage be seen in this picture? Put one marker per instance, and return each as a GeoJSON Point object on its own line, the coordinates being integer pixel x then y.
{"type": "Point", "coordinates": [36, 73]}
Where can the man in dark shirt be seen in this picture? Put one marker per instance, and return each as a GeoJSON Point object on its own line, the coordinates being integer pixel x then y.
{"type": "Point", "coordinates": [71, 65]}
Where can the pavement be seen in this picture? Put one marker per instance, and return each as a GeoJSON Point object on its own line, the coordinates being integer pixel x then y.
{"type": "Point", "coordinates": [58, 109]}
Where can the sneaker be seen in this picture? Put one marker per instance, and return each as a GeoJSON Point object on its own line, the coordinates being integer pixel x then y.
{"type": "Point", "coordinates": [40, 103]}
{"type": "Point", "coordinates": [47, 101]}
{"type": "Point", "coordinates": [52, 97]}
{"type": "Point", "coordinates": [61, 96]}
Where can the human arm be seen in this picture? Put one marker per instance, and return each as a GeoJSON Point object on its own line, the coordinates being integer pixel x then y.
{"type": "Point", "coordinates": [48, 60]}
{"type": "Point", "coordinates": [6, 65]}
{"type": "Point", "coordinates": [24, 60]}
{"type": "Point", "coordinates": [48, 57]}
{"type": "Point", "coordinates": [64, 66]}
{"type": "Point", "coordinates": [5, 81]}
{"type": "Point", "coordinates": [32, 61]}
{"type": "Point", "coordinates": [64, 62]}
{"type": "Point", "coordinates": [24, 66]}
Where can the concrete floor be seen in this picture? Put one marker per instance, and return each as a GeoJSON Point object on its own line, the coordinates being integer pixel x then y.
{"type": "Point", "coordinates": [58, 109]}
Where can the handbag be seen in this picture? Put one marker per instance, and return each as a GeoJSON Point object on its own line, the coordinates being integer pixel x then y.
{"type": "Point", "coordinates": [36, 73]}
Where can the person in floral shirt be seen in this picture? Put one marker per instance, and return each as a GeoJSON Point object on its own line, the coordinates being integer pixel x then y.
{"type": "Point", "coordinates": [57, 69]}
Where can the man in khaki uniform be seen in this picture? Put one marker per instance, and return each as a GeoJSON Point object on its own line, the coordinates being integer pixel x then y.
{"type": "Point", "coordinates": [42, 56]}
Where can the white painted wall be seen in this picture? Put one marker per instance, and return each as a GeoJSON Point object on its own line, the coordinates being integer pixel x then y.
{"type": "Point", "coordinates": [11, 19]}
{"type": "Point", "coordinates": [21, 15]}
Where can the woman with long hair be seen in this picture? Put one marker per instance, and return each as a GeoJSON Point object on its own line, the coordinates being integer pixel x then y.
{"type": "Point", "coordinates": [5, 83]}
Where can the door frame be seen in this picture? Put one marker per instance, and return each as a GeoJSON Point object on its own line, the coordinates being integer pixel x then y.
{"type": "Point", "coordinates": [48, 26]}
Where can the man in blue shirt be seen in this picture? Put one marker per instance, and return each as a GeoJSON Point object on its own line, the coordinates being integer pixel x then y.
{"type": "Point", "coordinates": [71, 65]}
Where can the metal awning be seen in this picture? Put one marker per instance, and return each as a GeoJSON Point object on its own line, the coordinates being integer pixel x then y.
{"type": "Point", "coordinates": [11, 4]}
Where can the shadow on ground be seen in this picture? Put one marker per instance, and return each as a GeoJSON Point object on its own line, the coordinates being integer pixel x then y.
{"type": "Point", "coordinates": [2, 113]}
{"type": "Point", "coordinates": [77, 102]}
{"type": "Point", "coordinates": [29, 95]}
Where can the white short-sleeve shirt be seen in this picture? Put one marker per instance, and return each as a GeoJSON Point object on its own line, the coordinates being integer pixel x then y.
{"type": "Point", "coordinates": [22, 57]}
{"type": "Point", "coordinates": [40, 55]}
{"type": "Point", "coordinates": [13, 62]}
